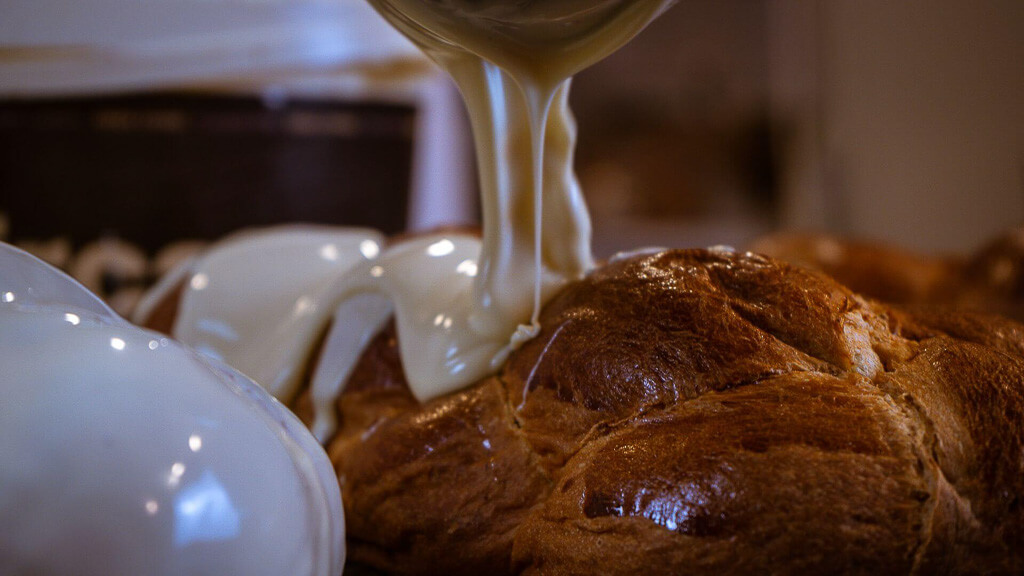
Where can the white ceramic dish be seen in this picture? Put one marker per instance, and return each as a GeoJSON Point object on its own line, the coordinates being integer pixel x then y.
{"type": "Point", "coordinates": [123, 452]}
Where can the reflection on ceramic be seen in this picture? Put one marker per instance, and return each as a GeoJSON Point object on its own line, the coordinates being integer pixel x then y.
{"type": "Point", "coordinates": [24, 280]}
{"type": "Point", "coordinates": [122, 452]}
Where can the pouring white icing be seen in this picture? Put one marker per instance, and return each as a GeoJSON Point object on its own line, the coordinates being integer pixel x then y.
{"type": "Point", "coordinates": [125, 453]}
{"type": "Point", "coordinates": [461, 304]}
{"type": "Point", "coordinates": [512, 62]}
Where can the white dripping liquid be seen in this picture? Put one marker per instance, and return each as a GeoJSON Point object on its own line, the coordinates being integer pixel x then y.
{"type": "Point", "coordinates": [461, 304]}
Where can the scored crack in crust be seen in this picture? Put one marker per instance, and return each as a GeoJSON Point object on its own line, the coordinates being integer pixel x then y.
{"type": "Point", "coordinates": [703, 413]}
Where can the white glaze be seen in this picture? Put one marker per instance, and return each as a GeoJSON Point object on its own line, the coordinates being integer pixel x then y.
{"type": "Point", "coordinates": [257, 300]}
{"type": "Point", "coordinates": [445, 341]}
{"type": "Point", "coordinates": [356, 321]}
{"type": "Point", "coordinates": [125, 453]}
{"type": "Point", "coordinates": [512, 63]}
{"type": "Point", "coordinates": [427, 283]}
{"type": "Point", "coordinates": [724, 249]}
{"type": "Point", "coordinates": [627, 254]}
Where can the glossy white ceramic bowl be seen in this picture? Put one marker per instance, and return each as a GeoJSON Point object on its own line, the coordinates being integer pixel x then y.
{"type": "Point", "coordinates": [123, 452]}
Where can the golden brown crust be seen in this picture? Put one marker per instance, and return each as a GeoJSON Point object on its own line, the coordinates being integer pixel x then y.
{"type": "Point", "coordinates": [884, 272]}
{"type": "Point", "coordinates": [731, 483]}
{"type": "Point", "coordinates": [990, 280]}
{"type": "Point", "coordinates": [704, 413]}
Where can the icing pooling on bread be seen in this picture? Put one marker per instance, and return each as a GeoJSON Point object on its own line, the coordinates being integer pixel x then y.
{"type": "Point", "coordinates": [125, 453]}
{"type": "Point", "coordinates": [236, 305]}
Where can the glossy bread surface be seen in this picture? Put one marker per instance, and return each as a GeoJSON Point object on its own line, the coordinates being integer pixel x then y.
{"type": "Point", "coordinates": [700, 412]}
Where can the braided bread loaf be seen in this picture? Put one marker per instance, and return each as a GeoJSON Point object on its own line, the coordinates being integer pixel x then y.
{"type": "Point", "coordinates": [699, 412]}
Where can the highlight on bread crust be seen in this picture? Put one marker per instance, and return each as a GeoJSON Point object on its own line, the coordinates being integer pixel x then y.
{"type": "Point", "coordinates": [701, 413]}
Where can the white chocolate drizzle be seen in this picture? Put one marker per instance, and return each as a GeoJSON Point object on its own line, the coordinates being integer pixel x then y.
{"type": "Point", "coordinates": [260, 300]}
{"type": "Point", "coordinates": [461, 304]}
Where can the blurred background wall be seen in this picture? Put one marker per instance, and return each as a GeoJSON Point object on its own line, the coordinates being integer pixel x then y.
{"type": "Point", "coordinates": [900, 121]}
{"type": "Point", "coordinates": [676, 131]}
